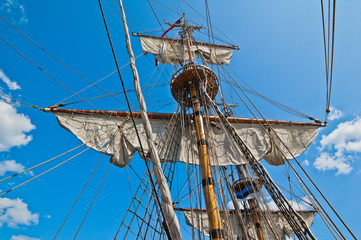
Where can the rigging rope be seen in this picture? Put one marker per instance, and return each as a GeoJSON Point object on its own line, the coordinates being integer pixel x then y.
{"type": "Point", "coordinates": [166, 202]}
{"type": "Point", "coordinates": [25, 104]}
{"type": "Point", "coordinates": [314, 184]}
{"type": "Point", "coordinates": [130, 110]}
{"type": "Point", "coordinates": [81, 192]}
{"type": "Point", "coordinates": [87, 212]}
{"type": "Point", "coordinates": [279, 105]}
{"type": "Point", "coordinates": [26, 170]}
{"type": "Point", "coordinates": [328, 58]}
{"type": "Point", "coordinates": [97, 81]}
{"type": "Point", "coordinates": [48, 74]}
{"type": "Point", "coordinates": [42, 173]}
{"type": "Point", "coordinates": [57, 59]}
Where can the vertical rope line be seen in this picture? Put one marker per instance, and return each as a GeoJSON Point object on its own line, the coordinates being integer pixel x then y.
{"type": "Point", "coordinates": [325, 52]}
{"type": "Point", "coordinates": [332, 51]}
{"type": "Point", "coordinates": [129, 107]}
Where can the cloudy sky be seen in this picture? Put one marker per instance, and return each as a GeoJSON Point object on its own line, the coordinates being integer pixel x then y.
{"type": "Point", "coordinates": [281, 56]}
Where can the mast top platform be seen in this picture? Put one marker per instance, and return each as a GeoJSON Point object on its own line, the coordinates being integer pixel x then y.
{"type": "Point", "coordinates": [198, 75]}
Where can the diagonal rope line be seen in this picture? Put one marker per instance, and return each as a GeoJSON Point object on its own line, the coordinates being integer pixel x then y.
{"type": "Point", "coordinates": [42, 173]}
{"type": "Point", "coordinates": [48, 74]}
{"type": "Point", "coordinates": [86, 184]}
{"type": "Point", "coordinates": [103, 78]}
{"type": "Point", "coordinates": [57, 59]}
{"type": "Point", "coordinates": [26, 170]}
{"type": "Point", "coordinates": [82, 222]}
{"type": "Point", "coordinates": [304, 171]}
{"type": "Point", "coordinates": [17, 100]}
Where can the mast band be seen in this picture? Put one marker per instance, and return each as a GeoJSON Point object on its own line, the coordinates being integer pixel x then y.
{"type": "Point", "coordinates": [194, 98]}
{"type": "Point", "coordinates": [202, 142]}
{"type": "Point", "coordinates": [216, 233]}
{"type": "Point", "coordinates": [197, 113]}
{"type": "Point", "coordinates": [207, 181]}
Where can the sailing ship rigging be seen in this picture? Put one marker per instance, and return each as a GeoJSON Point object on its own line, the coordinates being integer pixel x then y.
{"type": "Point", "coordinates": [228, 193]}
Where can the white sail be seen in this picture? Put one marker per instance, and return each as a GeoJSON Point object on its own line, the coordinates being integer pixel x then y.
{"type": "Point", "coordinates": [200, 222]}
{"type": "Point", "coordinates": [115, 136]}
{"type": "Point", "coordinates": [175, 51]}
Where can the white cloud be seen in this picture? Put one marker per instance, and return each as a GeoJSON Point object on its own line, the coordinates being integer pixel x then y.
{"type": "Point", "coordinates": [10, 84]}
{"type": "Point", "coordinates": [304, 204]}
{"type": "Point", "coordinates": [326, 161]}
{"type": "Point", "coordinates": [334, 114]}
{"type": "Point", "coordinates": [23, 237]}
{"type": "Point", "coordinates": [14, 127]}
{"type": "Point", "coordinates": [15, 11]}
{"type": "Point", "coordinates": [10, 166]}
{"type": "Point", "coordinates": [338, 148]}
{"type": "Point", "coordinates": [14, 212]}
{"type": "Point", "coordinates": [306, 162]}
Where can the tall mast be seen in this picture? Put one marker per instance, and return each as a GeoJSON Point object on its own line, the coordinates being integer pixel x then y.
{"type": "Point", "coordinates": [191, 79]}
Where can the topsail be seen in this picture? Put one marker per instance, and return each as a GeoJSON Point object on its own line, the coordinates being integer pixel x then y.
{"type": "Point", "coordinates": [173, 51]}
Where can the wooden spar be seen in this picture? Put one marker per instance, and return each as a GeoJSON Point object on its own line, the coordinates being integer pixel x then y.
{"type": "Point", "coordinates": [168, 116]}
{"type": "Point", "coordinates": [209, 191]}
{"type": "Point", "coordinates": [182, 41]}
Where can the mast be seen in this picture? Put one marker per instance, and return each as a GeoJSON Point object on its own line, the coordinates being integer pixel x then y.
{"type": "Point", "coordinates": [206, 169]}
{"type": "Point", "coordinates": [208, 183]}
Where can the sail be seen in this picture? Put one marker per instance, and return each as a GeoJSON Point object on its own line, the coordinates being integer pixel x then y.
{"type": "Point", "coordinates": [174, 51]}
{"type": "Point", "coordinates": [199, 220]}
{"type": "Point", "coordinates": [113, 133]}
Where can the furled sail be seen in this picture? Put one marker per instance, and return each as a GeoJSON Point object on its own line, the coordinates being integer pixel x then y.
{"type": "Point", "coordinates": [174, 51]}
{"type": "Point", "coordinates": [112, 133]}
{"type": "Point", "coordinates": [199, 220]}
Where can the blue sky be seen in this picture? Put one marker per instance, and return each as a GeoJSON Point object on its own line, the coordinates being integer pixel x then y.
{"type": "Point", "coordinates": [281, 56]}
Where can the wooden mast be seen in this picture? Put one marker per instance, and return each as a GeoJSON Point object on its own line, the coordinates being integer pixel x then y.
{"type": "Point", "coordinates": [209, 191]}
